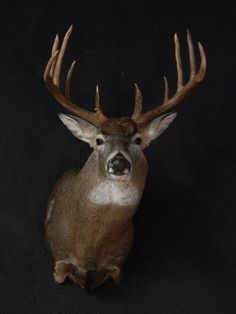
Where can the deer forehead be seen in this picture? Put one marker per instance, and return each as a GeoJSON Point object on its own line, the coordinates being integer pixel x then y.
{"type": "Point", "coordinates": [117, 193]}
{"type": "Point", "coordinates": [119, 126]}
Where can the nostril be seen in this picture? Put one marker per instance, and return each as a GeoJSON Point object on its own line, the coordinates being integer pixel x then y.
{"type": "Point", "coordinates": [119, 164]}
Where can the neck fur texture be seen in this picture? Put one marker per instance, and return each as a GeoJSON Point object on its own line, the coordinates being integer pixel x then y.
{"type": "Point", "coordinates": [121, 193]}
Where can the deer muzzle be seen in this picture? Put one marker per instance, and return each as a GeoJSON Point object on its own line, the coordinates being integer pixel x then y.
{"type": "Point", "coordinates": [118, 165]}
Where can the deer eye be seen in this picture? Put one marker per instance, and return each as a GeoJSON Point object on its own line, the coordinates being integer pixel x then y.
{"type": "Point", "coordinates": [99, 141]}
{"type": "Point", "coordinates": [138, 141]}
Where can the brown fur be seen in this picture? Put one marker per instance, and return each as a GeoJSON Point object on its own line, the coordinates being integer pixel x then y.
{"type": "Point", "coordinates": [125, 126]}
{"type": "Point", "coordinates": [99, 237]}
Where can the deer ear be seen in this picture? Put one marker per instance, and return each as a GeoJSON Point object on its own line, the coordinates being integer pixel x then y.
{"type": "Point", "coordinates": [81, 129]}
{"type": "Point", "coordinates": [156, 127]}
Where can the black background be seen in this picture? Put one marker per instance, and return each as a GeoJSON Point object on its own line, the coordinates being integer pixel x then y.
{"type": "Point", "coordinates": [183, 259]}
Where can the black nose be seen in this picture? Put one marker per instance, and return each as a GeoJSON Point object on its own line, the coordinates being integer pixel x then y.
{"type": "Point", "coordinates": [119, 163]}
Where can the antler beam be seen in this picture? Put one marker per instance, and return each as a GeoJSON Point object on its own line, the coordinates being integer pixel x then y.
{"type": "Point", "coordinates": [181, 91]}
{"type": "Point", "coordinates": [52, 80]}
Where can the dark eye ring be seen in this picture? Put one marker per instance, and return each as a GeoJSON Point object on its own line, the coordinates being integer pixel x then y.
{"type": "Point", "coordinates": [99, 141]}
{"type": "Point", "coordinates": [138, 141]}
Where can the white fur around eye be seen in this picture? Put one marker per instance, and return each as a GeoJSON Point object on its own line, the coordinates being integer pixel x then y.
{"type": "Point", "coordinates": [100, 137]}
{"type": "Point", "coordinates": [135, 138]}
{"type": "Point", "coordinates": [97, 145]}
{"type": "Point", "coordinates": [137, 135]}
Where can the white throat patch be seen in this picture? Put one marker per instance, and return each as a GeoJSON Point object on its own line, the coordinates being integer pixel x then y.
{"type": "Point", "coordinates": [114, 192]}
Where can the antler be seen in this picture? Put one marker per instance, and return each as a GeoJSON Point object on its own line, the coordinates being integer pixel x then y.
{"type": "Point", "coordinates": [52, 80]}
{"type": "Point", "coordinates": [182, 90]}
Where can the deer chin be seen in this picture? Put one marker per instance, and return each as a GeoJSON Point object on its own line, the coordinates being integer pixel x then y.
{"type": "Point", "coordinates": [118, 176]}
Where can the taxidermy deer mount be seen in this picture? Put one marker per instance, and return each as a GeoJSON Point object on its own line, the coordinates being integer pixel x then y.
{"type": "Point", "coordinates": [89, 224]}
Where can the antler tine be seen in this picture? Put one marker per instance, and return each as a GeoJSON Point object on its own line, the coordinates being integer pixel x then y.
{"type": "Point", "coordinates": [179, 66]}
{"type": "Point", "coordinates": [47, 72]}
{"type": "Point", "coordinates": [97, 99]}
{"type": "Point", "coordinates": [192, 63]}
{"type": "Point", "coordinates": [54, 49]}
{"type": "Point", "coordinates": [98, 107]}
{"type": "Point", "coordinates": [182, 90]}
{"type": "Point", "coordinates": [202, 70]}
{"type": "Point", "coordinates": [166, 97]}
{"type": "Point", "coordinates": [56, 75]}
{"type": "Point", "coordinates": [52, 81]}
{"type": "Point", "coordinates": [68, 80]}
{"type": "Point", "coordinates": [138, 103]}
{"type": "Point", "coordinates": [55, 44]}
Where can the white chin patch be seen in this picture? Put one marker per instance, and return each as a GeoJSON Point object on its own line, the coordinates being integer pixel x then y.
{"type": "Point", "coordinates": [121, 177]}
{"type": "Point", "coordinates": [115, 192]}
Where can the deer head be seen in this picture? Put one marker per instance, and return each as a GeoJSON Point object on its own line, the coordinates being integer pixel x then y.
{"type": "Point", "coordinates": [119, 142]}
